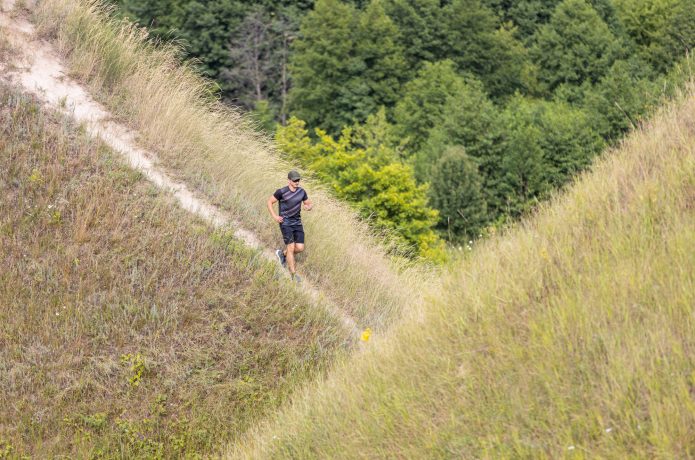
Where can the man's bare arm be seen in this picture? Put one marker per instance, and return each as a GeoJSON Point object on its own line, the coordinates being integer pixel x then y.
{"type": "Point", "coordinates": [271, 201]}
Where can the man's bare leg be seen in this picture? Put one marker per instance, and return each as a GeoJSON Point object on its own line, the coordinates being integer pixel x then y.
{"type": "Point", "coordinates": [289, 254]}
{"type": "Point", "coordinates": [291, 250]}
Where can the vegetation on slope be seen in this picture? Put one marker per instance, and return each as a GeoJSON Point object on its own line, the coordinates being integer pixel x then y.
{"type": "Point", "coordinates": [527, 92]}
{"type": "Point", "coordinates": [218, 152]}
{"type": "Point", "coordinates": [128, 328]}
{"type": "Point", "coordinates": [570, 336]}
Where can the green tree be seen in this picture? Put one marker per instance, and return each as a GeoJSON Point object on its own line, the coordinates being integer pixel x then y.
{"type": "Point", "coordinates": [575, 46]}
{"type": "Point", "coordinates": [422, 103]}
{"type": "Point", "coordinates": [420, 32]}
{"type": "Point", "coordinates": [521, 177]}
{"type": "Point", "coordinates": [457, 193]}
{"type": "Point", "coordinates": [376, 44]}
{"type": "Point", "coordinates": [202, 27]}
{"type": "Point", "coordinates": [526, 15]}
{"type": "Point", "coordinates": [384, 191]}
{"type": "Point", "coordinates": [275, 5]}
{"type": "Point", "coordinates": [205, 28]}
{"type": "Point", "coordinates": [478, 45]}
{"type": "Point", "coordinates": [244, 46]}
{"type": "Point", "coordinates": [264, 117]}
{"type": "Point", "coordinates": [345, 65]}
{"type": "Point", "coordinates": [543, 144]}
{"type": "Point", "coordinates": [568, 139]}
{"type": "Point", "coordinates": [510, 68]}
{"type": "Point", "coordinates": [377, 133]}
{"type": "Point", "coordinates": [621, 99]}
{"type": "Point", "coordinates": [608, 12]}
{"type": "Point", "coordinates": [322, 63]}
{"type": "Point", "coordinates": [469, 119]}
{"type": "Point", "coordinates": [664, 30]}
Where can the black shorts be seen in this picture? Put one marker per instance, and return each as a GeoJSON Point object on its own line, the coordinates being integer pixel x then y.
{"type": "Point", "coordinates": [292, 233]}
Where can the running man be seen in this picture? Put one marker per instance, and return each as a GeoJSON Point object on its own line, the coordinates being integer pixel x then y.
{"type": "Point", "coordinates": [290, 220]}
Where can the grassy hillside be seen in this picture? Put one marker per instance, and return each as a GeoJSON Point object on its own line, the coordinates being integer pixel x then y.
{"type": "Point", "coordinates": [127, 327]}
{"type": "Point", "coordinates": [130, 329]}
{"type": "Point", "coordinates": [570, 336]}
{"type": "Point", "coordinates": [214, 149]}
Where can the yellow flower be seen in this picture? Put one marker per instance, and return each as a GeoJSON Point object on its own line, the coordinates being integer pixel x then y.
{"type": "Point", "coordinates": [366, 334]}
{"type": "Point", "coordinates": [36, 176]}
{"type": "Point", "coordinates": [544, 254]}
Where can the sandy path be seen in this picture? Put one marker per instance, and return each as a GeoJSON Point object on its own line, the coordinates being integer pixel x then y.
{"type": "Point", "coordinates": [37, 68]}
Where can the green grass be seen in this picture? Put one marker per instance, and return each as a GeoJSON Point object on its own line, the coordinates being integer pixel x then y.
{"type": "Point", "coordinates": [218, 152]}
{"type": "Point", "coordinates": [128, 328]}
{"type": "Point", "coordinates": [570, 336]}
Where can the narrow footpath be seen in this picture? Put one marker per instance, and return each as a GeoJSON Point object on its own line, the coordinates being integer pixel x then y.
{"type": "Point", "coordinates": [37, 69]}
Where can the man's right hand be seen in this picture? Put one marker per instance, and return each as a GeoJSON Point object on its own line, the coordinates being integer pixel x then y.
{"type": "Point", "coordinates": [279, 219]}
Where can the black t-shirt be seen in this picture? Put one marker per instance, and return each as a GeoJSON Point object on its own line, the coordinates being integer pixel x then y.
{"type": "Point", "coordinates": [290, 204]}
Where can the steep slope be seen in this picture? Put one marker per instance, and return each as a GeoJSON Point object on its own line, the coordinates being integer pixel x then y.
{"type": "Point", "coordinates": [144, 336]}
{"type": "Point", "coordinates": [128, 327]}
{"type": "Point", "coordinates": [41, 73]}
{"type": "Point", "coordinates": [217, 153]}
{"type": "Point", "coordinates": [570, 336]}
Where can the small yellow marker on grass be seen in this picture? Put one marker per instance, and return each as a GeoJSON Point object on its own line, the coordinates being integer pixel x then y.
{"type": "Point", "coordinates": [366, 334]}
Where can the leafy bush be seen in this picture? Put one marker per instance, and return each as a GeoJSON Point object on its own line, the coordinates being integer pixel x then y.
{"type": "Point", "coordinates": [380, 187]}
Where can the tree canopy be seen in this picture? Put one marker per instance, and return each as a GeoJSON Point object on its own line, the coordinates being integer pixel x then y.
{"type": "Point", "coordinates": [437, 117]}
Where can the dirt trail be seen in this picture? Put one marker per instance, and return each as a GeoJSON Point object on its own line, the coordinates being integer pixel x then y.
{"type": "Point", "coordinates": [36, 67]}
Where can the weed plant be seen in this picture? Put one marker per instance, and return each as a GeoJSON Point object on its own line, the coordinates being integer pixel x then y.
{"type": "Point", "coordinates": [128, 328]}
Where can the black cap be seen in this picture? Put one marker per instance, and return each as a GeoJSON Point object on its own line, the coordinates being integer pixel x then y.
{"type": "Point", "coordinates": [293, 175]}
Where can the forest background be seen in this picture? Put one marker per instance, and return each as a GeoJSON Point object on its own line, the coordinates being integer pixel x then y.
{"type": "Point", "coordinates": [438, 120]}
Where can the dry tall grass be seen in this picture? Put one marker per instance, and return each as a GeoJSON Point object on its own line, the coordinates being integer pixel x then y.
{"type": "Point", "coordinates": [217, 151]}
{"type": "Point", "coordinates": [570, 336]}
{"type": "Point", "coordinates": [128, 328]}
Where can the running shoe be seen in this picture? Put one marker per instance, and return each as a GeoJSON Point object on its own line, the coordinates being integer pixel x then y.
{"type": "Point", "coordinates": [281, 257]}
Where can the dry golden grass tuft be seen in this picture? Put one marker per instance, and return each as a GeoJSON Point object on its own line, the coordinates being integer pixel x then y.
{"type": "Point", "coordinates": [128, 328]}
{"type": "Point", "coordinates": [569, 336]}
